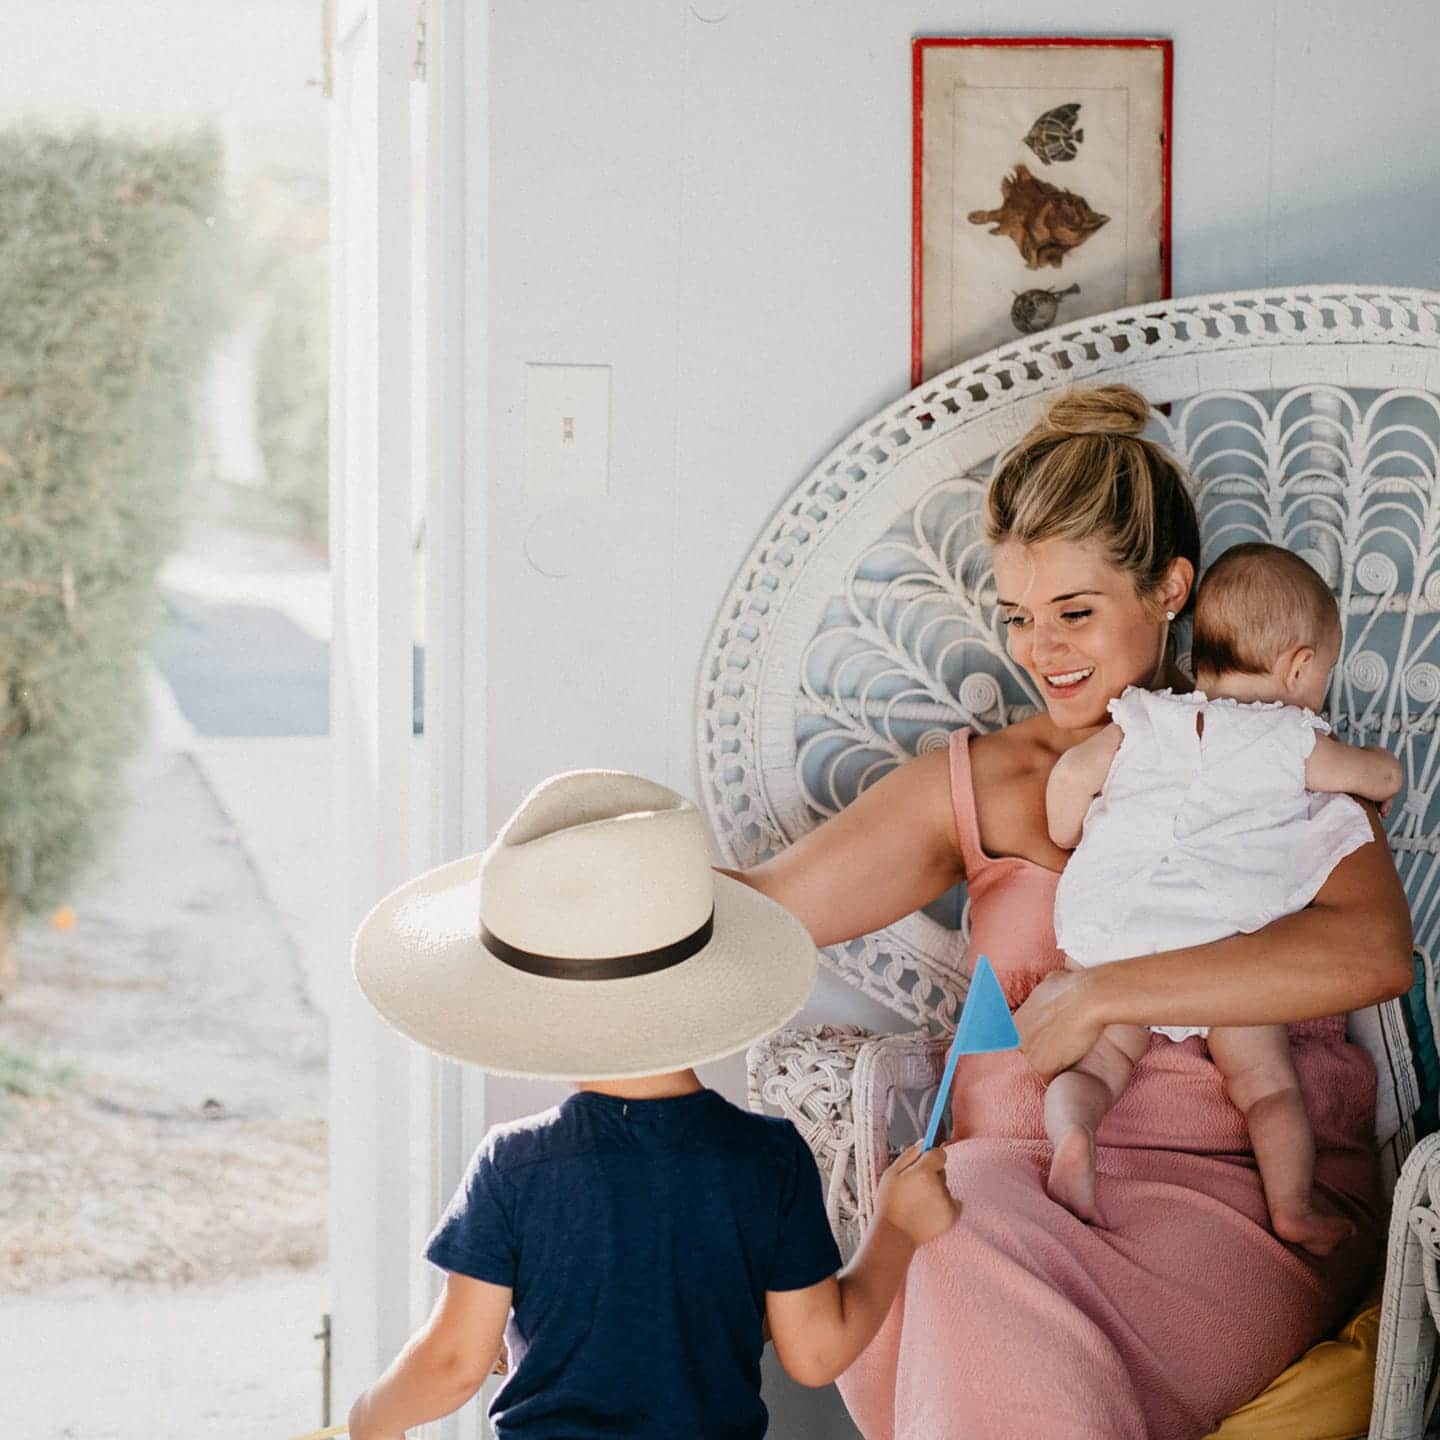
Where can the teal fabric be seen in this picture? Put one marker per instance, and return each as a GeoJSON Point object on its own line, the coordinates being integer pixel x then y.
{"type": "Point", "coordinates": [1421, 1032]}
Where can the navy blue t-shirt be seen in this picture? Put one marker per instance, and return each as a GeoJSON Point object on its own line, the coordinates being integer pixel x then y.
{"type": "Point", "coordinates": [639, 1238]}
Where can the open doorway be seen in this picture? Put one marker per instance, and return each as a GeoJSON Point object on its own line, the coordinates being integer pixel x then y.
{"type": "Point", "coordinates": [214, 1170]}
{"type": "Point", "coordinates": [163, 1045]}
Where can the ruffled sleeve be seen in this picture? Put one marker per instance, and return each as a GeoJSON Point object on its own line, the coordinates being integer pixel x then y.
{"type": "Point", "coordinates": [1308, 726]}
{"type": "Point", "coordinates": [1128, 708]}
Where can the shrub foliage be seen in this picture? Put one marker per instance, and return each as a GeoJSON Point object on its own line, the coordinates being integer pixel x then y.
{"type": "Point", "coordinates": [108, 278]}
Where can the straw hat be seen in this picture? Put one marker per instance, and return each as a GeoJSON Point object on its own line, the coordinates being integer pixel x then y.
{"type": "Point", "coordinates": [591, 941]}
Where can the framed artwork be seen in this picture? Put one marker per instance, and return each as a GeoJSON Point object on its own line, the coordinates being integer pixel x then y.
{"type": "Point", "coordinates": [1041, 187]}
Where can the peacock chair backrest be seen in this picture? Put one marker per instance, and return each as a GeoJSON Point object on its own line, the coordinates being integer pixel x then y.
{"type": "Point", "coordinates": [862, 629]}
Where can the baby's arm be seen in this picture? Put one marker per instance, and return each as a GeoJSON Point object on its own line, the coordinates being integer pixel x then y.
{"type": "Point", "coordinates": [1078, 777]}
{"type": "Point", "coordinates": [444, 1363]}
{"type": "Point", "coordinates": [819, 1331]}
{"type": "Point", "coordinates": [1372, 773]}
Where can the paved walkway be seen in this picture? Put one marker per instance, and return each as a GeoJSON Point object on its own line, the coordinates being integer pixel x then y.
{"type": "Point", "coordinates": [235, 1361]}
{"type": "Point", "coordinates": [163, 1240]}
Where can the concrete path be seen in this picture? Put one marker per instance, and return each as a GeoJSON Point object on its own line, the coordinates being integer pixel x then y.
{"type": "Point", "coordinates": [161, 1250]}
{"type": "Point", "coordinates": [234, 1361]}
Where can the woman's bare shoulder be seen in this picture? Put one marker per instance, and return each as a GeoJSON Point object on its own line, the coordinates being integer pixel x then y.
{"type": "Point", "coordinates": [1009, 769]}
{"type": "Point", "coordinates": [1023, 751]}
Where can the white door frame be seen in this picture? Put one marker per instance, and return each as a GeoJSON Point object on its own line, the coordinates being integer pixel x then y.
{"type": "Point", "coordinates": [403, 361]}
{"type": "Point", "coordinates": [456, 331]}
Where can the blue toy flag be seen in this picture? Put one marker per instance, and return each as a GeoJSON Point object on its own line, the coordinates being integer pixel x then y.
{"type": "Point", "coordinates": [985, 1027]}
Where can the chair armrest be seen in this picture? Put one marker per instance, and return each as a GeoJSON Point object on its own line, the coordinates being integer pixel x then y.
{"type": "Point", "coordinates": [1405, 1356]}
{"type": "Point", "coordinates": [896, 1077]}
{"type": "Point", "coordinates": [807, 1075]}
{"type": "Point", "coordinates": [857, 1100]}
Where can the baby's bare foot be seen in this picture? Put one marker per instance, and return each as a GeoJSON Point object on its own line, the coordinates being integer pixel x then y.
{"type": "Point", "coordinates": [1071, 1182]}
{"type": "Point", "coordinates": [1301, 1224]}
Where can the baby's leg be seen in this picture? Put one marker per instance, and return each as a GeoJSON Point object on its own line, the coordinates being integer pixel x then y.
{"type": "Point", "coordinates": [1075, 1103]}
{"type": "Point", "coordinates": [1260, 1078]}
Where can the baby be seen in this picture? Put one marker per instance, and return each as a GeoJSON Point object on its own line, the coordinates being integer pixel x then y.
{"type": "Point", "coordinates": [1206, 815]}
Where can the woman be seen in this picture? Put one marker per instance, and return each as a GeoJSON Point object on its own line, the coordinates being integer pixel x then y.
{"type": "Point", "coordinates": [1024, 1321]}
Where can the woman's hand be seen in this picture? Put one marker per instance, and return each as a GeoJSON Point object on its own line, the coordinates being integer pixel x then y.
{"type": "Point", "coordinates": [1056, 1023]}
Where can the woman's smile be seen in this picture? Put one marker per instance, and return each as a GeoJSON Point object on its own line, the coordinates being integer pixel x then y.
{"type": "Point", "coordinates": [1065, 684]}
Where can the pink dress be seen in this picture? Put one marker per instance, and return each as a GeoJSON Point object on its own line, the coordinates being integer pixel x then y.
{"type": "Point", "coordinates": [1023, 1321]}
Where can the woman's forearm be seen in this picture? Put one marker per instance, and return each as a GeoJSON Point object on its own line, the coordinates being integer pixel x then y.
{"type": "Point", "coordinates": [890, 852]}
{"type": "Point", "coordinates": [1252, 979]}
{"type": "Point", "coordinates": [1351, 948]}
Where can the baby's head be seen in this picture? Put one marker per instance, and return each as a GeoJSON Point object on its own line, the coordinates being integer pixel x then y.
{"type": "Point", "coordinates": [1266, 628]}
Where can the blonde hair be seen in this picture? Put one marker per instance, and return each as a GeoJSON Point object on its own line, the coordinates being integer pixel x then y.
{"type": "Point", "coordinates": [1085, 472]}
{"type": "Point", "coordinates": [1256, 604]}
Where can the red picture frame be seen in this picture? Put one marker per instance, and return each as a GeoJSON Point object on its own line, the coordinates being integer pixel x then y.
{"type": "Point", "coordinates": [922, 46]}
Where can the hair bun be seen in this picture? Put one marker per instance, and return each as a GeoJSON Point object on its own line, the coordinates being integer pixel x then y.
{"type": "Point", "coordinates": [1098, 410]}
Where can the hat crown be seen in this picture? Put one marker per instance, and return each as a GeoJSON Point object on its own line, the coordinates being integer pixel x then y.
{"type": "Point", "coordinates": [597, 863]}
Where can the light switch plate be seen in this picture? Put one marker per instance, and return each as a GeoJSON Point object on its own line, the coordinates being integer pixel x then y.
{"type": "Point", "coordinates": [567, 431]}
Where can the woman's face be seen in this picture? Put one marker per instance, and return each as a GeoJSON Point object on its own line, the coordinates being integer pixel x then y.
{"type": "Point", "coordinates": [1075, 623]}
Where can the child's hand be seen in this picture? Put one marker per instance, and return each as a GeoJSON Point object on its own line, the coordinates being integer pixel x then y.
{"type": "Point", "coordinates": [913, 1197]}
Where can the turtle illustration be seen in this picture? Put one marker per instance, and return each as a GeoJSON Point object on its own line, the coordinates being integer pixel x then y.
{"type": "Point", "coordinates": [1035, 309]}
{"type": "Point", "coordinates": [1053, 137]}
{"type": "Point", "coordinates": [1044, 221]}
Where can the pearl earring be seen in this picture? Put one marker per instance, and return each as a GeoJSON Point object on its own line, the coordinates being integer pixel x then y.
{"type": "Point", "coordinates": [1169, 615]}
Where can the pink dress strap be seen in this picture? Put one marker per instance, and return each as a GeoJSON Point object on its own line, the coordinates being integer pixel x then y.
{"type": "Point", "coordinates": [962, 802]}
{"type": "Point", "coordinates": [1017, 893]}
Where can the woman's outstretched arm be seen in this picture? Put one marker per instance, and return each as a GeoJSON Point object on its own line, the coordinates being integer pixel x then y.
{"type": "Point", "coordinates": [889, 853]}
{"type": "Point", "coordinates": [1349, 948]}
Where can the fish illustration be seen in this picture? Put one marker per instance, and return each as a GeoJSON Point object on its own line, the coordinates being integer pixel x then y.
{"type": "Point", "coordinates": [1053, 137]}
{"type": "Point", "coordinates": [1035, 309]}
{"type": "Point", "coordinates": [1044, 221]}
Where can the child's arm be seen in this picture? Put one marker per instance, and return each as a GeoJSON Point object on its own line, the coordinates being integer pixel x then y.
{"type": "Point", "coordinates": [1077, 778]}
{"type": "Point", "coordinates": [444, 1363]}
{"type": "Point", "coordinates": [1372, 773]}
{"type": "Point", "coordinates": [819, 1331]}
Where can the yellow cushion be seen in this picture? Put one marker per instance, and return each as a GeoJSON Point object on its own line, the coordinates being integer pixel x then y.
{"type": "Point", "coordinates": [1324, 1395]}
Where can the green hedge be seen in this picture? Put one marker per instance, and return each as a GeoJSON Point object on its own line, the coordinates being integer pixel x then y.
{"type": "Point", "coordinates": [108, 284]}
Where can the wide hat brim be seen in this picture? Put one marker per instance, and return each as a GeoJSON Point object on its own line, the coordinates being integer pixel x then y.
{"type": "Point", "coordinates": [419, 960]}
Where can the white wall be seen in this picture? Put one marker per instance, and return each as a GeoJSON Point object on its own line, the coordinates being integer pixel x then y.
{"type": "Point", "coordinates": [721, 212]}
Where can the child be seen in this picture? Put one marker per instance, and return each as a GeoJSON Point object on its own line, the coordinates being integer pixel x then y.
{"type": "Point", "coordinates": [632, 1243]}
{"type": "Point", "coordinates": [1217, 812]}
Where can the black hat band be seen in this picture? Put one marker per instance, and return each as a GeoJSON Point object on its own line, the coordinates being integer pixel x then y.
{"type": "Point", "coordinates": [605, 967]}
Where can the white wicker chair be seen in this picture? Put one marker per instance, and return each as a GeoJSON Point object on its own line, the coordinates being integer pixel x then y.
{"type": "Point", "coordinates": [861, 630]}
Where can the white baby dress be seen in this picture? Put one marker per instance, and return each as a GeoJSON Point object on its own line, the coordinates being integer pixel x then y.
{"type": "Point", "coordinates": [1199, 836]}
